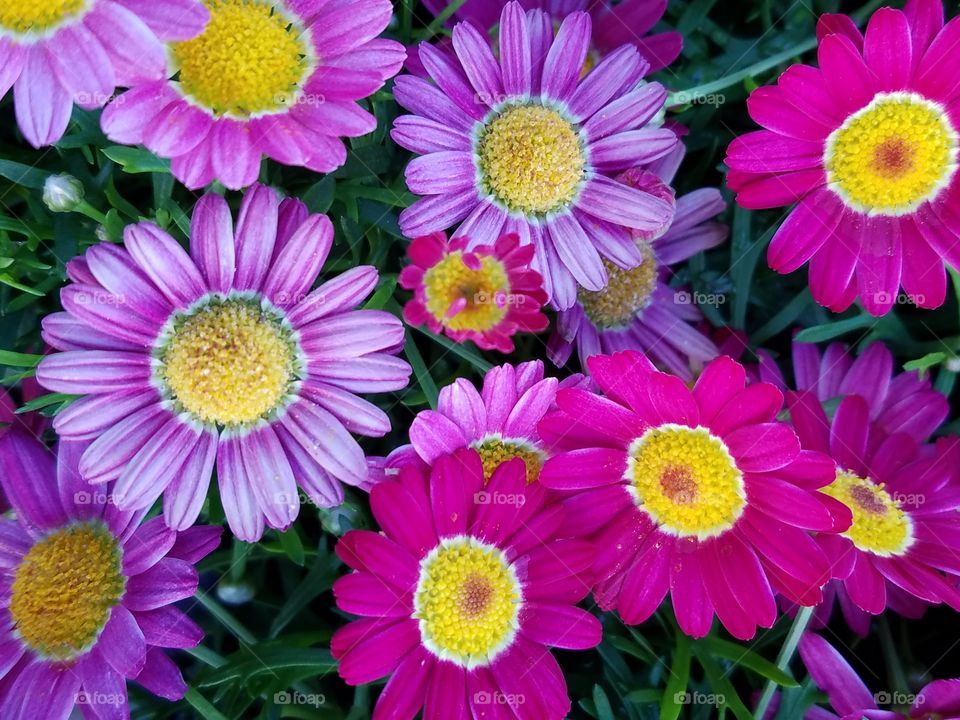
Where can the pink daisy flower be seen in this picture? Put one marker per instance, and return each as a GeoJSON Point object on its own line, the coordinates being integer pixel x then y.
{"type": "Point", "coordinates": [55, 53]}
{"type": "Point", "coordinates": [223, 357]}
{"type": "Point", "coordinates": [700, 493]}
{"type": "Point", "coordinates": [638, 309]}
{"type": "Point", "coordinates": [486, 294]}
{"type": "Point", "coordinates": [461, 598]}
{"type": "Point", "coordinates": [87, 591]}
{"type": "Point", "coordinates": [266, 77]}
{"type": "Point", "coordinates": [626, 23]}
{"type": "Point", "coordinates": [521, 145]}
{"type": "Point", "coordinates": [867, 146]}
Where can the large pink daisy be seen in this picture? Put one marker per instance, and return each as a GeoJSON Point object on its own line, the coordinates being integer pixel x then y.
{"type": "Point", "coordinates": [55, 53]}
{"type": "Point", "coordinates": [86, 591]}
{"type": "Point", "coordinates": [522, 145]}
{"type": "Point", "coordinates": [867, 146]}
{"type": "Point", "coordinates": [461, 598]}
{"type": "Point", "coordinates": [266, 77]}
{"type": "Point", "coordinates": [223, 357]}
{"type": "Point", "coordinates": [701, 493]}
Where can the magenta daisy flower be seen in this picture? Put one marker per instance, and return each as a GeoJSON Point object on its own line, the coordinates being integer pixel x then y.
{"type": "Point", "coordinates": [55, 53]}
{"type": "Point", "coordinates": [867, 146]}
{"type": "Point", "coordinates": [87, 591]}
{"type": "Point", "coordinates": [486, 294]}
{"type": "Point", "coordinates": [461, 598]}
{"type": "Point", "coordinates": [266, 77]}
{"type": "Point", "coordinates": [700, 493]}
{"type": "Point", "coordinates": [223, 357]}
{"type": "Point", "coordinates": [850, 698]}
{"type": "Point", "coordinates": [626, 23]}
{"type": "Point", "coordinates": [522, 145]}
{"type": "Point", "coordinates": [638, 310]}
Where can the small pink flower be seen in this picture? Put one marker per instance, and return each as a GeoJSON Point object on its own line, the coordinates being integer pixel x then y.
{"type": "Point", "coordinates": [485, 294]}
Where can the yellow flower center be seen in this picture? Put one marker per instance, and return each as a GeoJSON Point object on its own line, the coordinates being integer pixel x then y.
{"type": "Point", "coordinates": [26, 16]}
{"type": "Point", "coordinates": [467, 601]}
{"type": "Point", "coordinates": [879, 525]}
{"type": "Point", "coordinates": [229, 362]}
{"type": "Point", "coordinates": [485, 290]}
{"type": "Point", "coordinates": [494, 450]}
{"type": "Point", "coordinates": [251, 59]}
{"type": "Point", "coordinates": [531, 159]}
{"type": "Point", "coordinates": [686, 480]}
{"type": "Point", "coordinates": [627, 292]}
{"type": "Point", "coordinates": [893, 155]}
{"type": "Point", "coordinates": [64, 589]}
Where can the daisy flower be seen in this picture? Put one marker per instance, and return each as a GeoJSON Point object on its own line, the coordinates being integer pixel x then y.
{"type": "Point", "coordinates": [638, 310]}
{"type": "Point", "coordinates": [867, 147]}
{"type": "Point", "coordinates": [486, 294]}
{"type": "Point", "coordinates": [850, 698]}
{"type": "Point", "coordinates": [55, 53]}
{"type": "Point", "coordinates": [88, 591]}
{"type": "Point", "coordinates": [223, 357]}
{"type": "Point", "coordinates": [522, 145]}
{"type": "Point", "coordinates": [700, 493]}
{"type": "Point", "coordinates": [266, 77]}
{"type": "Point", "coordinates": [903, 498]}
{"type": "Point", "coordinates": [461, 598]}
{"type": "Point", "coordinates": [626, 23]}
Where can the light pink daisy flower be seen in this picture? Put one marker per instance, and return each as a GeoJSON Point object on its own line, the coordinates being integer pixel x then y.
{"type": "Point", "coordinates": [522, 145]}
{"type": "Point", "coordinates": [867, 146]}
{"type": "Point", "coordinates": [223, 357]}
{"type": "Point", "coordinates": [701, 493]}
{"type": "Point", "coordinates": [624, 23]}
{"type": "Point", "coordinates": [55, 53]}
{"type": "Point", "coordinates": [638, 309]}
{"type": "Point", "coordinates": [462, 598]}
{"type": "Point", "coordinates": [87, 591]}
{"type": "Point", "coordinates": [486, 294]}
{"type": "Point", "coordinates": [266, 77]}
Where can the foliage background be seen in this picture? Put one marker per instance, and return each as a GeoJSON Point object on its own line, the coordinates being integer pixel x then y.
{"type": "Point", "coordinates": [267, 608]}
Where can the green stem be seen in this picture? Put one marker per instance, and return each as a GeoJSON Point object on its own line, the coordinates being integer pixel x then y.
{"type": "Point", "coordinates": [898, 678]}
{"type": "Point", "coordinates": [434, 27]}
{"type": "Point", "coordinates": [225, 618]}
{"type": "Point", "coordinates": [799, 626]}
{"type": "Point", "coordinates": [85, 208]}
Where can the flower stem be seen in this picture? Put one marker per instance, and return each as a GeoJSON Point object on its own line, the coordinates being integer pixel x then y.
{"type": "Point", "coordinates": [789, 647]}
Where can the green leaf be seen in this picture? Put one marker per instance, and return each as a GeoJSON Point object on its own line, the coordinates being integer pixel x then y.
{"type": "Point", "coordinates": [722, 690]}
{"type": "Point", "coordinates": [136, 160]}
{"type": "Point", "coordinates": [46, 401]}
{"type": "Point", "coordinates": [19, 360]}
{"type": "Point", "coordinates": [673, 698]}
{"type": "Point", "coordinates": [292, 546]}
{"type": "Point", "coordinates": [203, 706]}
{"type": "Point", "coordinates": [829, 331]}
{"type": "Point", "coordinates": [266, 659]}
{"type": "Point", "coordinates": [926, 362]}
{"type": "Point", "coordinates": [602, 704]}
{"type": "Point", "coordinates": [23, 174]}
{"type": "Point", "coordinates": [747, 658]}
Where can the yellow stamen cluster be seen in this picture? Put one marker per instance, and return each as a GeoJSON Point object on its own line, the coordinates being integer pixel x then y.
{"type": "Point", "coordinates": [64, 589]}
{"type": "Point", "coordinates": [250, 59]}
{"type": "Point", "coordinates": [531, 159]}
{"type": "Point", "coordinates": [495, 450]}
{"type": "Point", "coordinates": [893, 155]}
{"type": "Point", "coordinates": [686, 480]}
{"type": "Point", "coordinates": [228, 363]}
{"type": "Point", "coordinates": [450, 280]}
{"type": "Point", "coordinates": [626, 294]}
{"type": "Point", "coordinates": [879, 525]}
{"type": "Point", "coordinates": [467, 601]}
{"type": "Point", "coordinates": [26, 16]}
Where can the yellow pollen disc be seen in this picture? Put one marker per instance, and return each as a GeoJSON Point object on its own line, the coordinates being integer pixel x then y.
{"type": "Point", "coordinates": [467, 601]}
{"type": "Point", "coordinates": [494, 450]}
{"type": "Point", "coordinates": [530, 159]}
{"type": "Point", "coordinates": [65, 588]}
{"type": "Point", "coordinates": [25, 16]}
{"type": "Point", "coordinates": [450, 281]}
{"type": "Point", "coordinates": [250, 59]}
{"type": "Point", "coordinates": [627, 292]}
{"type": "Point", "coordinates": [879, 525]}
{"type": "Point", "coordinates": [893, 155]}
{"type": "Point", "coordinates": [228, 363]}
{"type": "Point", "coordinates": [686, 480]}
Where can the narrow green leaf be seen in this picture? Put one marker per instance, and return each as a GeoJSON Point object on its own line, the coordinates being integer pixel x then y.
{"type": "Point", "coordinates": [926, 362]}
{"type": "Point", "coordinates": [747, 658]}
{"type": "Point", "coordinates": [674, 696]}
{"type": "Point", "coordinates": [23, 175]}
{"type": "Point", "coordinates": [136, 160]}
{"type": "Point", "coordinates": [20, 360]}
{"type": "Point", "coordinates": [829, 331]}
{"type": "Point", "coordinates": [203, 706]}
{"type": "Point", "coordinates": [292, 546]}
